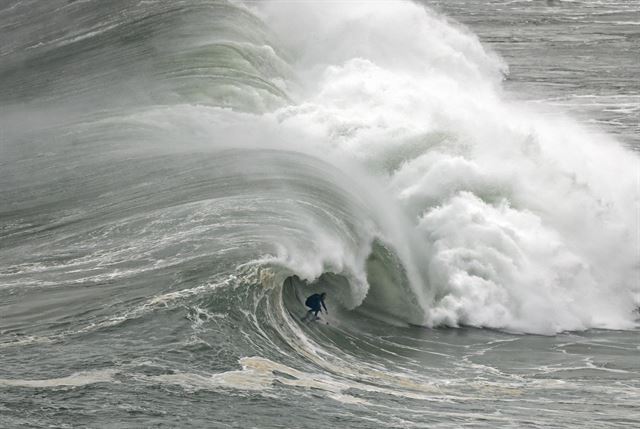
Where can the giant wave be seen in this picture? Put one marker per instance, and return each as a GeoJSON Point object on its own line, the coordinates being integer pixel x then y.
{"type": "Point", "coordinates": [405, 182]}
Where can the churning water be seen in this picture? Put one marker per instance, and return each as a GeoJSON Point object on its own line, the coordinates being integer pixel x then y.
{"type": "Point", "coordinates": [177, 176]}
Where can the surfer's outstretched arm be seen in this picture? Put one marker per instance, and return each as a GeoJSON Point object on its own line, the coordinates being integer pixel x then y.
{"type": "Point", "coordinates": [322, 297]}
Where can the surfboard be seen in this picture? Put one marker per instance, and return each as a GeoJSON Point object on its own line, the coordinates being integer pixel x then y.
{"type": "Point", "coordinates": [302, 319]}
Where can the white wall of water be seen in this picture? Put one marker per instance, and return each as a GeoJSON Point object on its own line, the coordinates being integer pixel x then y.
{"type": "Point", "coordinates": [527, 220]}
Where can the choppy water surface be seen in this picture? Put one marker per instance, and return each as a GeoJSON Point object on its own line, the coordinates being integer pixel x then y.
{"type": "Point", "coordinates": [459, 177]}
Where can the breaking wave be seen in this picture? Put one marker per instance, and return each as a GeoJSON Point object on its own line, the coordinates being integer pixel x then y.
{"type": "Point", "coordinates": [403, 181]}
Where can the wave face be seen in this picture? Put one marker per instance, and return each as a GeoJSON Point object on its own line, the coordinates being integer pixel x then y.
{"type": "Point", "coordinates": [176, 177]}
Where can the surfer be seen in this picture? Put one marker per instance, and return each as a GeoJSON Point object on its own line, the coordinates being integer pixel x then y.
{"type": "Point", "coordinates": [314, 302]}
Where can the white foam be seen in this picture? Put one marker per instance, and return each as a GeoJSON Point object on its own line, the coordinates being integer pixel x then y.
{"type": "Point", "coordinates": [74, 380]}
{"type": "Point", "coordinates": [264, 375]}
{"type": "Point", "coordinates": [529, 222]}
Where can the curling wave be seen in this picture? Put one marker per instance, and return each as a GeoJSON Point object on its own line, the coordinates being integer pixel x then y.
{"type": "Point", "coordinates": [510, 218]}
{"type": "Point", "coordinates": [402, 180]}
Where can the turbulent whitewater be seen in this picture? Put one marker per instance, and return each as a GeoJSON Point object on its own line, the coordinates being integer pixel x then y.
{"type": "Point", "coordinates": [176, 178]}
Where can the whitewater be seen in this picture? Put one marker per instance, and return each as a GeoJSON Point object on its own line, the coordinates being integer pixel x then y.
{"type": "Point", "coordinates": [461, 178]}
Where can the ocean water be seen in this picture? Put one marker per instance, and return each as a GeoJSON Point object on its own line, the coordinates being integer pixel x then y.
{"type": "Point", "coordinates": [460, 177]}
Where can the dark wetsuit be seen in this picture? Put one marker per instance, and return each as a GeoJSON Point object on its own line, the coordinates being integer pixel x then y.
{"type": "Point", "coordinates": [314, 302]}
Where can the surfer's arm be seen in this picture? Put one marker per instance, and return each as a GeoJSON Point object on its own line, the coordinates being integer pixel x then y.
{"type": "Point", "coordinates": [325, 307]}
